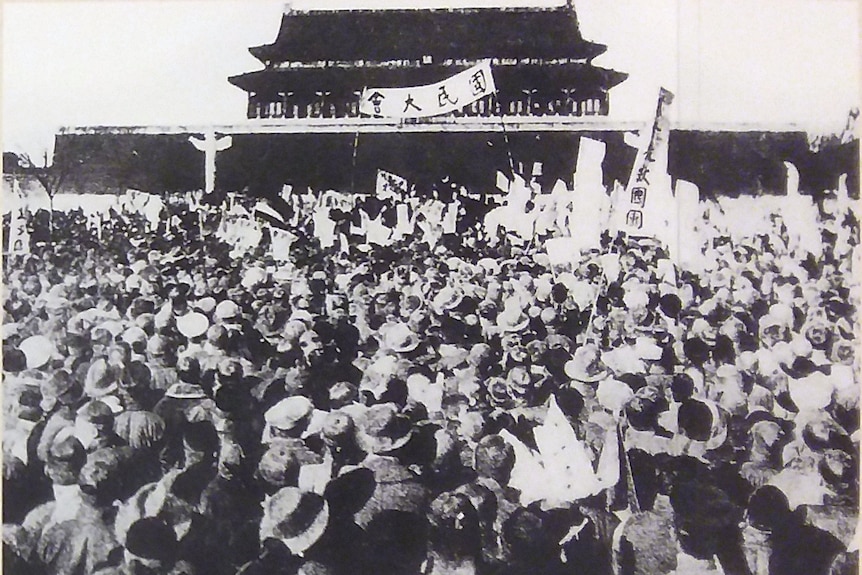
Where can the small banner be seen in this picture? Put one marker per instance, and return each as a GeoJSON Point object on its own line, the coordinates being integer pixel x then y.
{"type": "Point", "coordinates": [444, 97]}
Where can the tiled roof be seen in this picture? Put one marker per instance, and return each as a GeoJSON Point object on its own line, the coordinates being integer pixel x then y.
{"type": "Point", "coordinates": [382, 35]}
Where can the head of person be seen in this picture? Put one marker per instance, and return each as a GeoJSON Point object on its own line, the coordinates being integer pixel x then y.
{"type": "Point", "coordinates": [494, 458]}
{"type": "Point", "coordinates": [66, 458]}
{"type": "Point", "coordinates": [200, 441]}
{"type": "Point", "coordinates": [151, 543]}
{"type": "Point", "coordinates": [295, 518]}
{"type": "Point", "coordinates": [289, 417]}
{"type": "Point", "coordinates": [62, 389]}
{"type": "Point", "coordinates": [454, 525]}
{"type": "Point", "coordinates": [94, 420]}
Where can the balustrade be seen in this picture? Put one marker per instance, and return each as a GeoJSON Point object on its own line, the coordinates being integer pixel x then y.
{"type": "Point", "coordinates": [528, 103]}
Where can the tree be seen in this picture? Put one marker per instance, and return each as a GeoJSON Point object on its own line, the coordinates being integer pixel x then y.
{"type": "Point", "coordinates": [50, 177]}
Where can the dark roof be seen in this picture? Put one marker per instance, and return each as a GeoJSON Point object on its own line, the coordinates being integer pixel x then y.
{"type": "Point", "coordinates": [573, 75]}
{"type": "Point", "coordinates": [381, 35]}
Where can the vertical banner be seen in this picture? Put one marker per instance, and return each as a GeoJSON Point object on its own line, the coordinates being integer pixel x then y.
{"type": "Point", "coordinates": [647, 207]}
{"type": "Point", "coordinates": [19, 237]}
{"type": "Point", "coordinates": [691, 236]}
{"type": "Point", "coordinates": [591, 206]}
{"type": "Point", "coordinates": [444, 97]}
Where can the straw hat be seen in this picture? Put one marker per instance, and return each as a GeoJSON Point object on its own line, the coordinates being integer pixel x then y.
{"type": "Point", "coordinates": [206, 304]}
{"type": "Point", "coordinates": [192, 324]}
{"type": "Point", "coordinates": [296, 518]}
{"type": "Point", "coordinates": [289, 412]}
{"type": "Point", "coordinates": [400, 338]}
{"type": "Point", "coordinates": [383, 429]}
{"type": "Point", "coordinates": [38, 350]}
{"type": "Point", "coordinates": [183, 390]}
{"type": "Point", "coordinates": [226, 309]}
{"type": "Point", "coordinates": [586, 365]}
{"type": "Point", "coordinates": [447, 299]}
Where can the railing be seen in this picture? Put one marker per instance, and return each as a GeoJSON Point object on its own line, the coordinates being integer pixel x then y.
{"type": "Point", "coordinates": [530, 104]}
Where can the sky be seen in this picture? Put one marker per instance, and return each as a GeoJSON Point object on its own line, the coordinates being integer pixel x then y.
{"type": "Point", "coordinates": [144, 62]}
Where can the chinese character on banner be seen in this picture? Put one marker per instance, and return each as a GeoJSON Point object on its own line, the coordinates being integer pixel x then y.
{"type": "Point", "coordinates": [639, 196]}
{"type": "Point", "coordinates": [376, 99]}
{"type": "Point", "coordinates": [635, 219]}
{"type": "Point", "coordinates": [643, 172]}
{"type": "Point", "coordinates": [443, 97]}
{"type": "Point", "coordinates": [478, 85]}
{"type": "Point", "coordinates": [410, 102]}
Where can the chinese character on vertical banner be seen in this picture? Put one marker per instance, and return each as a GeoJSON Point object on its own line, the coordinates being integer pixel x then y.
{"type": "Point", "coordinates": [444, 97]}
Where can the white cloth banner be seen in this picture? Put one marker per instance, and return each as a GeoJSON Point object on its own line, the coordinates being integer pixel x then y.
{"type": "Point", "coordinates": [444, 97]}
{"type": "Point", "coordinates": [647, 207]}
{"type": "Point", "coordinates": [691, 235]}
{"type": "Point", "coordinates": [19, 237]}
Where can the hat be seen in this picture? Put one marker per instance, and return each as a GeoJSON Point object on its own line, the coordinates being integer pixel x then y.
{"type": "Point", "coordinates": [449, 511]}
{"type": "Point", "coordinates": [395, 488]}
{"type": "Point", "coordinates": [400, 338]}
{"type": "Point", "coordinates": [65, 459]}
{"type": "Point", "coordinates": [192, 324]}
{"type": "Point", "coordinates": [206, 304]}
{"type": "Point", "coordinates": [278, 467]}
{"type": "Point", "coordinates": [586, 365]}
{"type": "Point", "coordinates": [494, 457]}
{"type": "Point", "coordinates": [383, 429]}
{"type": "Point", "coordinates": [489, 265]}
{"type": "Point", "coordinates": [226, 310]}
{"type": "Point", "coordinates": [336, 425]}
{"type": "Point", "coordinates": [133, 335]}
{"type": "Point", "coordinates": [38, 350]}
{"type": "Point", "coordinates": [447, 299]}
{"type": "Point", "coordinates": [297, 518]}
{"type": "Point", "coordinates": [102, 379]}
{"type": "Point", "coordinates": [152, 538]}
{"type": "Point", "coordinates": [96, 412]}
{"type": "Point", "coordinates": [252, 277]}
{"type": "Point", "coordinates": [811, 393]}
{"type": "Point", "coordinates": [103, 473]}
{"type": "Point", "coordinates": [14, 360]}
{"type": "Point", "coordinates": [342, 393]}
{"type": "Point", "coordinates": [512, 319]}
{"type": "Point", "coordinates": [670, 305]}
{"type": "Point", "coordinates": [156, 345]}
{"type": "Point", "coordinates": [139, 428]}
{"type": "Point", "coordinates": [29, 404]}
{"type": "Point", "coordinates": [183, 390]}
{"type": "Point", "coordinates": [61, 386]}
{"type": "Point", "coordinates": [289, 412]}
{"type": "Point", "coordinates": [613, 394]}
{"type": "Point", "coordinates": [843, 352]}
{"type": "Point", "coordinates": [695, 419]}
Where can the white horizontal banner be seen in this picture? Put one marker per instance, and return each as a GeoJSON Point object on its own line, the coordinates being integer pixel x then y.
{"type": "Point", "coordinates": [444, 97]}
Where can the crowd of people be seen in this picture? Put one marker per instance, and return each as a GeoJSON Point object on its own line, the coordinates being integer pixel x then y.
{"type": "Point", "coordinates": [435, 405]}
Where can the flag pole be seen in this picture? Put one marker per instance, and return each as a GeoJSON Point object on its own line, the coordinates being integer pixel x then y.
{"type": "Point", "coordinates": [499, 112]}
{"type": "Point", "coordinates": [355, 149]}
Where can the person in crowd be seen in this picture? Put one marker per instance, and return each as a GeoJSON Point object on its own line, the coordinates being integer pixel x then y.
{"type": "Point", "coordinates": [361, 404]}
